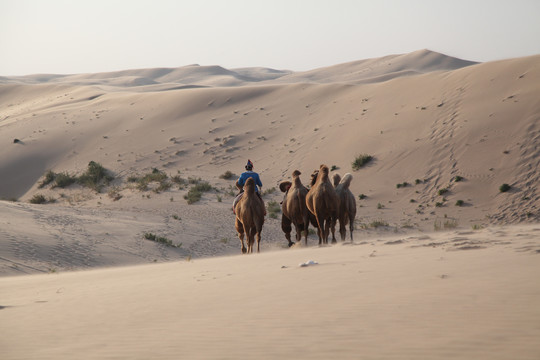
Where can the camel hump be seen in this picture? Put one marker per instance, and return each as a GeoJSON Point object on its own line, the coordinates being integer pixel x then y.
{"type": "Point", "coordinates": [249, 186]}
{"type": "Point", "coordinates": [346, 181]}
{"type": "Point", "coordinates": [336, 179]}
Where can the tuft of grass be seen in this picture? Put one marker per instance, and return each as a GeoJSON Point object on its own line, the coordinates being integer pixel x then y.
{"type": "Point", "coordinates": [380, 206]}
{"type": "Point", "coordinates": [114, 193]}
{"type": "Point", "coordinates": [458, 178]}
{"type": "Point", "coordinates": [442, 191]}
{"type": "Point", "coordinates": [94, 176]}
{"type": "Point", "coordinates": [48, 178]}
{"type": "Point", "coordinates": [161, 240]}
{"type": "Point", "coordinates": [227, 175]}
{"type": "Point", "coordinates": [195, 192]}
{"type": "Point", "coordinates": [460, 203]}
{"type": "Point", "coordinates": [403, 184]}
{"type": "Point", "coordinates": [378, 223]}
{"type": "Point", "coordinates": [446, 225]}
{"type": "Point", "coordinates": [63, 180]}
{"type": "Point", "coordinates": [362, 196]}
{"type": "Point", "coordinates": [274, 209]}
{"type": "Point", "coordinates": [334, 167]}
{"type": "Point", "coordinates": [504, 188]}
{"type": "Point", "coordinates": [361, 160]}
{"type": "Point", "coordinates": [38, 199]}
{"type": "Point", "coordinates": [269, 191]}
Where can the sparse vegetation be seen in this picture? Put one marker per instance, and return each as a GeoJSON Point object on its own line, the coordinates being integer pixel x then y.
{"type": "Point", "coordinates": [334, 167]}
{"type": "Point", "coordinates": [460, 203]}
{"type": "Point", "coordinates": [94, 177]}
{"type": "Point", "coordinates": [442, 191]}
{"type": "Point", "coordinates": [504, 188]}
{"type": "Point", "coordinates": [38, 199]}
{"type": "Point", "coordinates": [403, 184]}
{"type": "Point", "coordinates": [361, 160]}
{"type": "Point", "coordinates": [161, 240]}
{"type": "Point", "coordinates": [458, 178]}
{"type": "Point", "coordinates": [362, 196]}
{"type": "Point", "coordinates": [446, 225]}
{"type": "Point", "coordinates": [195, 192]}
{"type": "Point", "coordinates": [380, 206]}
{"type": "Point", "coordinates": [227, 175]}
{"type": "Point", "coordinates": [273, 208]}
{"type": "Point", "coordinates": [269, 191]}
{"type": "Point", "coordinates": [377, 223]}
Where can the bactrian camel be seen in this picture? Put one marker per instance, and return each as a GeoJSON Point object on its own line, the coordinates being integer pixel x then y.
{"type": "Point", "coordinates": [294, 209]}
{"type": "Point", "coordinates": [323, 202]}
{"type": "Point", "coordinates": [249, 217]}
{"type": "Point", "coordinates": [347, 204]}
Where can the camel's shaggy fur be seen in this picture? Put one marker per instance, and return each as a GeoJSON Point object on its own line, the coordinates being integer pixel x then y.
{"type": "Point", "coordinates": [294, 209]}
{"type": "Point", "coordinates": [249, 217]}
{"type": "Point", "coordinates": [323, 202]}
{"type": "Point", "coordinates": [347, 205]}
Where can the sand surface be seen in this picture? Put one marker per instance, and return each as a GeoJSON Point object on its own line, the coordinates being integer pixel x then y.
{"type": "Point", "coordinates": [443, 264]}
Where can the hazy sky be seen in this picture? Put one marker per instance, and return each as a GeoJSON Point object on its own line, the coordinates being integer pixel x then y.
{"type": "Point", "coordinates": [79, 36]}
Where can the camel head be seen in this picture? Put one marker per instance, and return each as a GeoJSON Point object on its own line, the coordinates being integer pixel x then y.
{"type": "Point", "coordinates": [285, 186]}
{"type": "Point", "coordinates": [314, 175]}
{"type": "Point", "coordinates": [296, 173]}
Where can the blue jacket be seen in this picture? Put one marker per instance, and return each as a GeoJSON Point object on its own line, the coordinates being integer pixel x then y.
{"type": "Point", "coordinates": [250, 174]}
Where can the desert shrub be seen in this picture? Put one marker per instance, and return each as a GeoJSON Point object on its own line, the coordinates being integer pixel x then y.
{"type": "Point", "coordinates": [443, 191]}
{"type": "Point", "coordinates": [63, 180]}
{"type": "Point", "coordinates": [195, 192]}
{"type": "Point", "coordinates": [417, 181]}
{"type": "Point", "coordinates": [378, 223]}
{"type": "Point", "coordinates": [362, 196]}
{"type": "Point", "coordinates": [446, 225]}
{"type": "Point", "coordinates": [403, 184]}
{"type": "Point", "coordinates": [227, 175]}
{"type": "Point", "coordinates": [38, 199]}
{"type": "Point", "coordinates": [160, 239]}
{"type": "Point", "coordinates": [439, 204]}
{"type": "Point", "coordinates": [380, 206]}
{"type": "Point", "coordinates": [114, 193]}
{"type": "Point", "coordinates": [334, 167]}
{"type": "Point", "coordinates": [47, 179]}
{"type": "Point", "coordinates": [504, 188]}
{"type": "Point", "coordinates": [273, 209]}
{"type": "Point", "coordinates": [458, 178]}
{"type": "Point", "coordinates": [361, 160]}
{"type": "Point", "coordinates": [269, 191]}
{"type": "Point", "coordinates": [94, 176]}
{"type": "Point", "coordinates": [460, 203]}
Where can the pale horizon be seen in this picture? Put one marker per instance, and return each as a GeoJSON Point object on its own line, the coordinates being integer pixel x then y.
{"type": "Point", "coordinates": [56, 37]}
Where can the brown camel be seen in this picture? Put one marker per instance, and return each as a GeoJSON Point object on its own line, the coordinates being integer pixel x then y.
{"type": "Point", "coordinates": [323, 202]}
{"type": "Point", "coordinates": [293, 207]}
{"type": "Point", "coordinates": [347, 205]}
{"type": "Point", "coordinates": [249, 217]}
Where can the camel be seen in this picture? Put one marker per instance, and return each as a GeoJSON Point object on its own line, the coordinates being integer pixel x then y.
{"type": "Point", "coordinates": [323, 202]}
{"type": "Point", "coordinates": [347, 205]}
{"type": "Point", "coordinates": [249, 217]}
{"type": "Point", "coordinates": [293, 207]}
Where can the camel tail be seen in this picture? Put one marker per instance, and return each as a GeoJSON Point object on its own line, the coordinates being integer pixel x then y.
{"type": "Point", "coordinates": [346, 181]}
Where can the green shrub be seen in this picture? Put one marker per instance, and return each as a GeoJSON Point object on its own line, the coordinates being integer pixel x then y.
{"type": "Point", "coordinates": [458, 178]}
{"type": "Point", "coordinates": [443, 191]}
{"type": "Point", "coordinates": [403, 184]}
{"type": "Point", "coordinates": [38, 199]}
{"type": "Point", "coordinates": [93, 177]}
{"type": "Point", "coordinates": [195, 192]}
{"type": "Point", "coordinates": [160, 239]}
{"type": "Point", "coordinates": [504, 188]}
{"type": "Point", "coordinates": [48, 178]}
{"type": "Point", "coordinates": [63, 180]}
{"type": "Point", "coordinates": [274, 208]}
{"type": "Point", "coordinates": [362, 196]}
{"type": "Point", "coordinates": [460, 203]}
{"type": "Point", "coordinates": [361, 160]}
{"type": "Point", "coordinates": [227, 175]}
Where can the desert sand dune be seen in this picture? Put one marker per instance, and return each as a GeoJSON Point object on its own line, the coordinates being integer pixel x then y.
{"type": "Point", "coordinates": [444, 264]}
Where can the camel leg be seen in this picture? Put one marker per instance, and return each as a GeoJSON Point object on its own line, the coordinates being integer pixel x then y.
{"type": "Point", "coordinates": [258, 241]}
{"type": "Point", "coordinates": [351, 225]}
{"type": "Point", "coordinates": [240, 230]}
{"type": "Point", "coordinates": [333, 221]}
{"type": "Point", "coordinates": [342, 228]}
{"type": "Point", "coordinates": [286, 227]}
